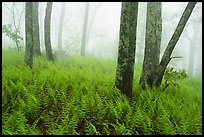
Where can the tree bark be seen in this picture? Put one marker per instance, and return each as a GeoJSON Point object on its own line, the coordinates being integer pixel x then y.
{"type": "Point", "coordinates": [36, 35]}
{"type": "Point", "coordinates": [193, 47]}
{"type": "Point", "coordinates": [61, 21]}
{"type": "Point", "coordinates": [47, 21]}
{"type": "Point", "coordinates": [29, 33]}
{"type": "Point", "coordinates": [84, 31]}
{"type": "Point", "coordinates": [172, 43]}
{"type": "Point", "coordinates": [127, 45]}
{"type": "Point", "coordinates": [152, 44]}
{"type": "Point", "coordinates": [42, 43]}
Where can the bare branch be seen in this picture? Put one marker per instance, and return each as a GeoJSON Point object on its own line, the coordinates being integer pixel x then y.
{"type": "Point", "coordinates": [20, 17]}
{"type": "Point", "coordinates": [175, 57]}
{"type": "Point", "coordinates": [14, 16]}
{"type": "Point", "coordinates": [7, 7]}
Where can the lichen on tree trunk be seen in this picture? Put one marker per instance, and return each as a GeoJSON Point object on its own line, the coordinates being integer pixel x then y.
{"type": "Point", "coordinates": [29, 32]}
{"type": "Point", "coordinates": [152, 44]}
{"type": "Point", "coordinates": [127, 45]}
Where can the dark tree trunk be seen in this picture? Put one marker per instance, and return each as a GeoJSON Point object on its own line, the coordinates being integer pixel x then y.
{"type": "Point", "coordinates": [47, 21]}
{"type": "Point", "coordinates": [61, 26]}
{"type": "Point", "coordinates": [172, 43]}
{"type": "Point", "coordinates": [127, 45]}
{"type": "Point", "coordinates": [152, 44]}
{"type": "Point", "coordinates": [29, 33]}
{"type": "Point", "coordinates": [84, 31]}
{"type": "Point", "coordinates": [36, 35]}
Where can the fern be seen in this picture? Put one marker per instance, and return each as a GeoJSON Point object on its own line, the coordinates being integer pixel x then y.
{"type": "Point", "coordinates": [76, 96]}
{"type": "Point", "coordinates": [15, 124]}
{"type": "Point", "coordinates": [91, 129]}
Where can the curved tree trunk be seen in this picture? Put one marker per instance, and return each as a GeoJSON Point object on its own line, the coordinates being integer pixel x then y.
{"type": "Point", "coordinates": [47, 20]}
{"type": "Point", "coordinates": [152, 44]}
{"type": "Point", "coordinates": [172, 43]}
{"type": "Point", "coordinates": [36, 35]}
{"type": "Point", "coordinates": [127, 45]}
{"type": "Point", "coordinates": [29, 34]}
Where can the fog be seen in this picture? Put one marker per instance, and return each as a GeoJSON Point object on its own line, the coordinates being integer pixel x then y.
{"type": "Point", "coordinates": [103, 29]}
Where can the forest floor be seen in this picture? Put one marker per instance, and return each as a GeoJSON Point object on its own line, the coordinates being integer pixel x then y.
{"type": "Point", "coordinates": [76, 96]}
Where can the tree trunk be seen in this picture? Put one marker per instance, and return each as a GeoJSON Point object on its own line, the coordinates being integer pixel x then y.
{"type": "Point", "coordinates": [191, 60]}
{"type": "Point", "coordinates": [47, 20]}
{"type": "Point", "coordinates": [152, 44]}
{"type": "Point", "coordinates": [42, 44]}
{"type": "Point", "coordinates": [172, 43]}
{"type": "Point", "coordinates": [61, 27]}
{"type": "Point", "coordinates": [192, 49]}
{"type": "Point", "coordinates": [127, 45]}
{"type": "Point", "coordinates": [29, 33]}
{"type": "Point", "coordinates": [36, 35]}
{"type": "Point", "coordinates": [84, 31]}
{"type": "Point", "coordinates": [142, 8]}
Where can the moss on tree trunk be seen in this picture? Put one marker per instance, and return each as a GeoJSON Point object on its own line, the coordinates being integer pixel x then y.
{"type": "Point", "coordinates": [48, 47]}
{"type": "Point", "coordinates": [29, 34]}
{"type": "Point", "coordinates": [127, 45]}
{"type": "Point", "coordinates": [152, 44]}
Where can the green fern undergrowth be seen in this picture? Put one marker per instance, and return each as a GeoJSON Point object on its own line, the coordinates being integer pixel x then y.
{"type": "Point", "coordinates": [77, 96]}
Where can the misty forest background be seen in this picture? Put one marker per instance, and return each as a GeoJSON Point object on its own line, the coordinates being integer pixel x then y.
{"type": "Point", "coordinates": [97, 68]}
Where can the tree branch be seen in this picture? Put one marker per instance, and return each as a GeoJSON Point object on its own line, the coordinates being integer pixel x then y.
{"type": "Point", "coordinates": [7, 7]}
{"type": "Point", "coordinates": [175, 57]}
{"type": "Point", "coordinates": [174, 39]}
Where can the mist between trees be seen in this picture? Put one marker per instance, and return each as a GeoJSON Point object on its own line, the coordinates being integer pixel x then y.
{"type": "Point", "coordinates": [93, 29]}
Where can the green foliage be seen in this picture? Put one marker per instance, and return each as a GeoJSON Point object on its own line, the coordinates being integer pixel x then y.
{"type": "Point", "coordinates": [13, 34]}
{"type": "Point", "coordinates": [171, 76]}
{"type": "Point", "coordinates": [77, 97]}
{"type": "Point", "coordinates": [170, 73]}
